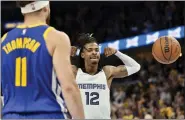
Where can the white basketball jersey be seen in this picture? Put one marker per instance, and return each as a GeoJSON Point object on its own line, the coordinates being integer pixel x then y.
{"type": "Point", "coordinates": [95, 94]}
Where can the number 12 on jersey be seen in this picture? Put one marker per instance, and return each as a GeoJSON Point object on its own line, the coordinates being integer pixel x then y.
{"type": "Point", "coordinates": [92, 98]}
{"type": "Point", "coordinates": [20, 72]}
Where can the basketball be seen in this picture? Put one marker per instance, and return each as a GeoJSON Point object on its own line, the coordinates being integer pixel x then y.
{"type": "Point", "coordinates": [166, 50]}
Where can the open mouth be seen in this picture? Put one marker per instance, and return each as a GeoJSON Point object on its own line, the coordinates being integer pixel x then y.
{"type": "Point", "coordinates": [94, 58]}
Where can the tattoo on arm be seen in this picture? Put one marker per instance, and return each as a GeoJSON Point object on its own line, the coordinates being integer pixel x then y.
{"type": "Point", "coordinates": [119, 71]}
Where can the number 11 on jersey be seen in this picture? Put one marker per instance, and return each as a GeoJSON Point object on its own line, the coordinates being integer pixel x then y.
{"type": "Point", "coordinates": [20, 72]}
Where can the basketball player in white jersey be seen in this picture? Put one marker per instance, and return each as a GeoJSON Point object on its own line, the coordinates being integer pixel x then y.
{"type": "Point", "coordinates": [94, 82]}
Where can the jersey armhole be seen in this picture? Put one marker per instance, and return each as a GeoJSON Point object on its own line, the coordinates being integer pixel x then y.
{"type": "Point", "coordinates": [4, 37]}
{"type": "Point", "coordinates": [47, 31]}
{"type": "Point", "coordinates": [45, 34]}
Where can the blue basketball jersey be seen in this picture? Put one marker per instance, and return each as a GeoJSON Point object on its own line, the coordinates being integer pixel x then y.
{"type": "Point", "coordinates": [29, 82]}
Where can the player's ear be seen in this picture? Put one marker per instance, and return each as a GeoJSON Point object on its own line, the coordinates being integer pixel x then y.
{"type": "Point", "coordinates": [82, 55]}
{"type": "Point", "coordinates": [45, 9]}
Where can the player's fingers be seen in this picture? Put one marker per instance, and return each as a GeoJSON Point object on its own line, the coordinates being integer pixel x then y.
{"type": "Point", "coordinates": [110, 52]}
{"type": "Point", "coordinates": [72, 47]}
{"type": "Point", "coordinates": [113, 52]}
{"type": "Point", "coordinates": [74, 50]}
{"type": "Point", "coordinates": [72, 54]}
{"type": "Point", "coordinates": [105, 52]}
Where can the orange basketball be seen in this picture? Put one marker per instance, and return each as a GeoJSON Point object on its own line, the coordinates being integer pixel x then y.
{"type": "Point", "coordinates": [166, 50]}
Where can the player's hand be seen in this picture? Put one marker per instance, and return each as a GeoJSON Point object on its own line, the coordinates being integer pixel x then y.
{"type": "Point", "coordinates": [109, 51]}
{"type": "Point", "coordinates": [73, 51]}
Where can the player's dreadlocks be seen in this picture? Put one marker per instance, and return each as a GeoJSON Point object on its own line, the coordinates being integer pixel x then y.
{"type": "Point", "coordinates": [84, 39]}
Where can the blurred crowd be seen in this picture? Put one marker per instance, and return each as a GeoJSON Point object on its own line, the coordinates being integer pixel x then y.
{"type": "Point", "coordinates": [158, 92]}
{"type": "Point", "coordinates": [115, 20]}
{"type": "Point", "coordinates": [107, 20]}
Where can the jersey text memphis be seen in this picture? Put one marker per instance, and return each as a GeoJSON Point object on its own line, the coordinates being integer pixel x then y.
{"type": "Point", "coordinates": [95, 94]}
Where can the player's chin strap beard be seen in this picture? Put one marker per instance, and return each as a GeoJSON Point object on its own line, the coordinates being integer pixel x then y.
{"type": "Point", "coordinates": [34, 6]}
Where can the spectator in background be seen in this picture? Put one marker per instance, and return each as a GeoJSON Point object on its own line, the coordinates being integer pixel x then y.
{"type": "Point", "coordinates": [162, 99]}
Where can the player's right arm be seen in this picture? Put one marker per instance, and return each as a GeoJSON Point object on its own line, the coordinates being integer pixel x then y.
{"type": "Point", "coordinates": [59, 46]}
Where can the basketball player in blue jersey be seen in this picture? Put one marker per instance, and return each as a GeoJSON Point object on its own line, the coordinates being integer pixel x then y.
{"type": "Point", "coordinates": [36, 69]}
{"type": "Point", "coordinates": [94, 82]}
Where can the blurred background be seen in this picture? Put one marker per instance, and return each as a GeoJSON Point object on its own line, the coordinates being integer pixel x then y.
{"type": "Point", "coordinates": [157, 91]}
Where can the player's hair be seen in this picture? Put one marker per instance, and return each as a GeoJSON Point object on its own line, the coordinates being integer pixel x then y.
{"type": "Point", "coordinates": [23, 3]}
{"type": "Point", "coordinates": [82, 40]}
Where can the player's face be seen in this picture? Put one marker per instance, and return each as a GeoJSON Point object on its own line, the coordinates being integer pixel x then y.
{"type": "Point", "coordinates": [91, 53]}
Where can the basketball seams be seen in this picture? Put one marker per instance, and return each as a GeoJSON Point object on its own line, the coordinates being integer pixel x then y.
{"type": "Point", "coordinates": [178, 51]}
{"type": "Point", "coordinates": [158, 57]}
{"type": "Point", "coordinates": [170, 50]}
{"type": "Point", "coordinates": [162, 49]}
{"type": "Point", "coordinates": [156, 54]}
{"type": "Point", "coordinates": [177, 48]}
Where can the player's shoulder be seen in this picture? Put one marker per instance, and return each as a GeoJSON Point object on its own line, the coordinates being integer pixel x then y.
{"type": "Point", "coordinates": [55, 38]}
{"type": "Point", "coordinates": [6, 35]}
{"type": "Point", "coordinates": [53, 33]}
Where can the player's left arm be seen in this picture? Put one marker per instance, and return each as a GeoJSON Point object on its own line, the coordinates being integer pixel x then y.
{"type": "Point", "coordinates": [130, 67]}
{"type": "Point", "coordinates": [73, 60]}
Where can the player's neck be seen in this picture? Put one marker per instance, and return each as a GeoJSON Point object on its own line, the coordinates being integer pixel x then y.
{"type": "Point", "coordinates": [91, 69]}
{"type": "Point", "coordinates": [31, 20]}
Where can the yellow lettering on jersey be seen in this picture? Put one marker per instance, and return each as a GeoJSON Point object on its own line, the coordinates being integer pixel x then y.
{"type": "Point", "coordinates": [31, 44]}
{"type": "Point", "coordinates": [13, 43]}
{"type": "Point", "coordinates": [35, 47]}
{"type": "Point", "coordinates": [9, 47]}
{"type": "Point", "coordinates": [18, 72]}
{"type": "Point", "coordinates": [19, 42]}
{"type": "Point", "coordinates": [26, 41]}
{"type": "Point", "coordinates": [24, 72]}
{"type": "Point", "coordinates": [4, 48]}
